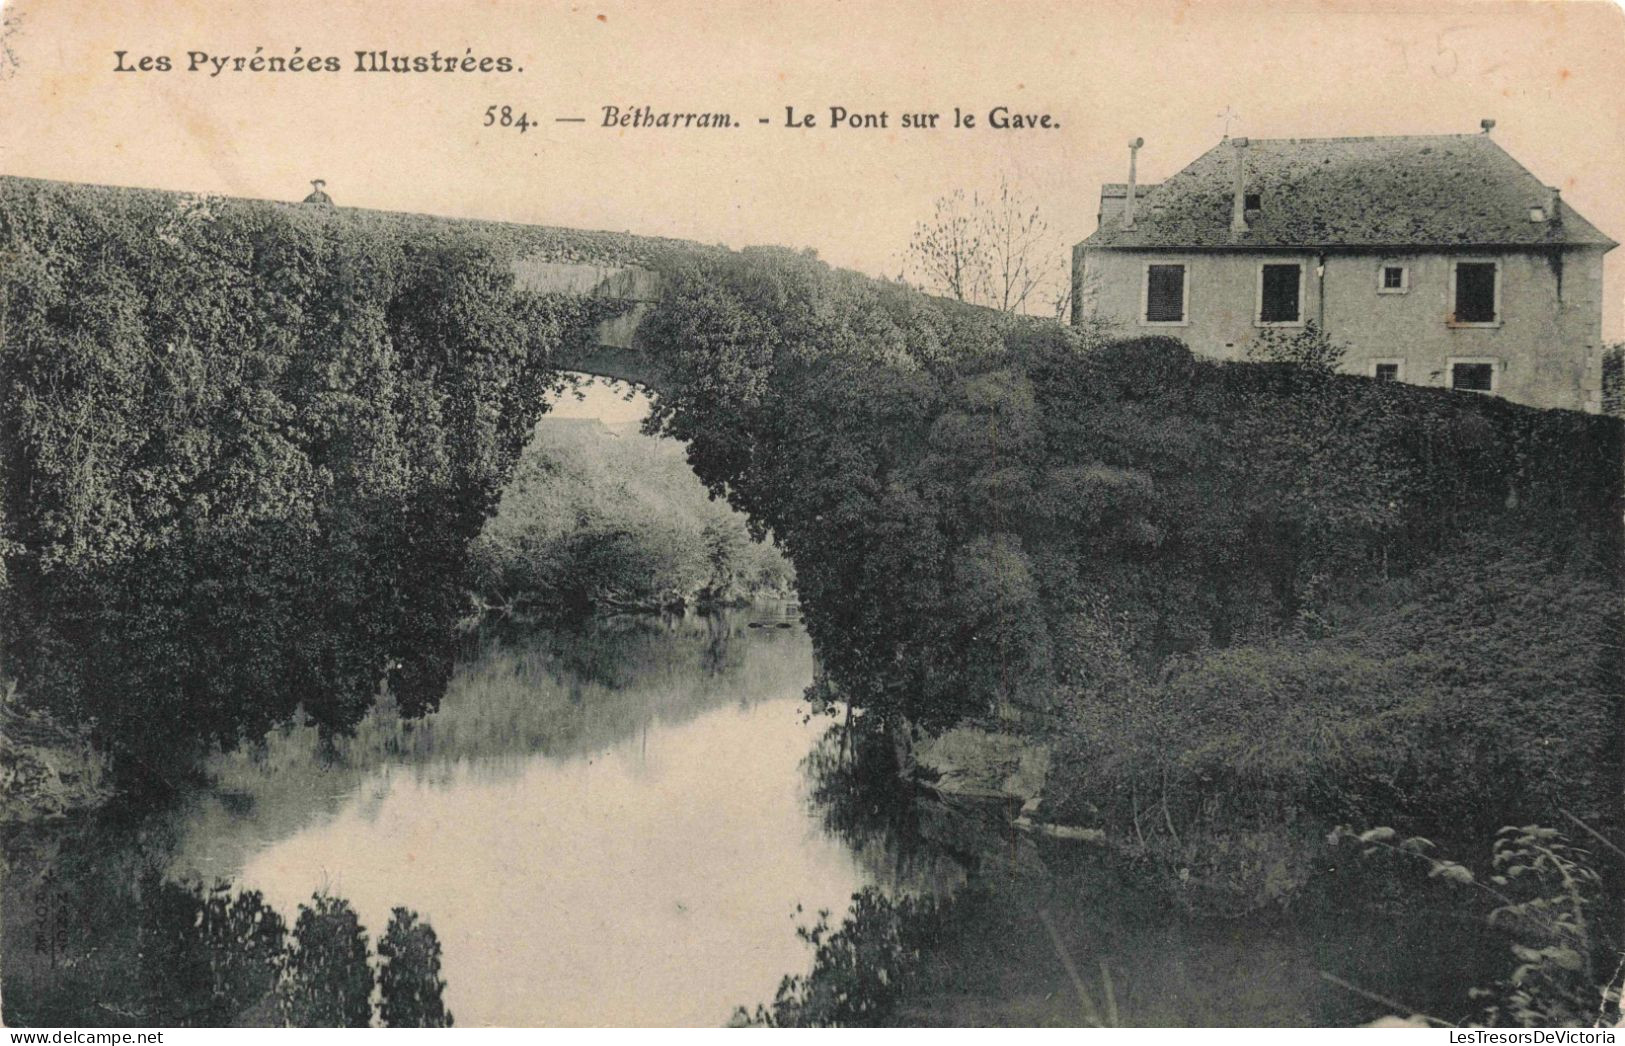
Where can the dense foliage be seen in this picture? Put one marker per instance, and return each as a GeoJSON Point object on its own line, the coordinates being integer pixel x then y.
{"type": "Point", "coordinates": [243, 450]}
{"type": "Point", "coordinates": [1482, 686]}
{"type": "Point", "coordinates": [1547, 899]}
{"type": "Point", "coordinates": [206, 956]}
{"type": "Point", "coordinates": [131, 947]}
{"type": "Point", "coordinates": [1612, 366]}
{"type": "Point", "coordinates": [1306, 346]}
{"type": "Point", "coordinates": [595, 519]}
{"type": "Point", "coordinates": [1238, 595]}
{"type": "Point", "coordinates": [861, 969]}
{"type": "Point", "coordinates": [214, 958]}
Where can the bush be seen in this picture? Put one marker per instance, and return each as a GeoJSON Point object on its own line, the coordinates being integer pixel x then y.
{"type": "Point", "coordinates": [1307, 346]}
{"type": "Point", "coordinates": [615, 521]}
{"type": "Point", "coordinates": [206, 956]}
{"type": "Point", "coordinates": [1552, 906]}
{"type": "Point", "coordinates": [212, 957]}
{"type": "Point", "coordinates": [1485, 689]}
{"type": "Point", "coordinates": [1613, 380]}
{"type": "Point", "coordinates": [861, 970]}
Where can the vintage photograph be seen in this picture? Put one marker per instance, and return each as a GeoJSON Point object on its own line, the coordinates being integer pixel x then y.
{"type": "Point", "coordinates": [706, 514]}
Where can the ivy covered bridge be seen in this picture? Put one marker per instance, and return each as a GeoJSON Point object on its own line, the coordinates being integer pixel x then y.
{"type": "Point", "coordinates": [245, 446]}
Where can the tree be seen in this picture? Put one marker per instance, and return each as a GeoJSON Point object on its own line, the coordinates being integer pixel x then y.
{"type": "Point", "coordinates": [246, 449]}
{"type": "Point", "coordinates": [207, 957]}
{"type": "Point", "coordinates": [329, 981]}
{"type": "Point", "coordinates": [993, 250]}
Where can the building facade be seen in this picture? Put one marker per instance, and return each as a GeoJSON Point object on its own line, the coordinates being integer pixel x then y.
{"type": "Point", "coordinates": [1437, 260]}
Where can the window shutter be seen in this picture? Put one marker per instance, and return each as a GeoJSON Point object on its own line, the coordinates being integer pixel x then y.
{"type": "Point", "coordinates": [1475, 292]}
{"type": "Point", "coordinates": [1473, 377]}
{"type": "Point", "coordinates": [1165, 293]}
{"type": "Point", "coordinates": [1280, 297]}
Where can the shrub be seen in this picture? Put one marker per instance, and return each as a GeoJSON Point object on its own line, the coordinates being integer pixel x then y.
{"type": "Point", "coordinates": [599, 520]}
{"type": "Point", "coordinates": [206, 956]}
{"type": "Point", "coordinates": [1613, 380]}
{"type": "Point", "coordinates": [1307, 346]}
{"type": "Point", "coordinates": [1486, 688]}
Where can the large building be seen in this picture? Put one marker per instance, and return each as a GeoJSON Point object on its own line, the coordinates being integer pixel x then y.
{"type": "Point", "coordinates": [1439, 260]}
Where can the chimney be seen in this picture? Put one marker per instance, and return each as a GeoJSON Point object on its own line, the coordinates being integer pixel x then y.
{"type": "Point", "coordinates": [1238, 207]}
{"type": "Point", "coordinates": [1133, 158]}
{"type": "Point", "coordinates": [1554, 200]}
{"type": "Point", "coordinates": [1487, 124]}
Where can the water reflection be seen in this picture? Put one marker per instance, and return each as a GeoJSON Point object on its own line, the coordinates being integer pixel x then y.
{"type": "Point", "coordinates": [605, 826]}
{"type": "Point", "coordinates": [984, 944]}
{"type": "Point", "coordinates": [627, 824]}
{"type": "Point", "coordinates": [114, 943]}
{"type": "Point", "coordinates": [859, 796]}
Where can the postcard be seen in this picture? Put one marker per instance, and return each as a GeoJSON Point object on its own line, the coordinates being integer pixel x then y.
{"type": "Point", "coordinates": [930, 513]}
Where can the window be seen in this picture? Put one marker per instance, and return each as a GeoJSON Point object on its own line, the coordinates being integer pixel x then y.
{"type": "Point", "coordinates": [1476, 293]}
{"type": "Point", "coordinates": [1389, 368]}
{"type": "Point", "coordinates": [1472, 375]}
{"type": "Point", "coordinates": [1165, 293]}
{"type": "Point", "coordinates": [1253, 202]}
{"type": "Point", "coordinates": [1393, 279]}
{"type": "Point", "coordinates": [1279, 291]}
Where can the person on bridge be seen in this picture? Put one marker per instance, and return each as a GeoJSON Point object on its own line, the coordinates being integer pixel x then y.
{"type": "Point", "coordinates": [317, 196]}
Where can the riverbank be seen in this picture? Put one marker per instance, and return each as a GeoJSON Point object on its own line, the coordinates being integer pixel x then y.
{"type": "Point", "coordinates": [601, 519]}
{"type": "Point", "coordinates": [1045, 932]}
{"type": "Point", "coordinates": [47, 770]}
{"type": "Point", "coordinates": [1062, 925]}
{"type": "Point", "coordinates": [1003, 957]}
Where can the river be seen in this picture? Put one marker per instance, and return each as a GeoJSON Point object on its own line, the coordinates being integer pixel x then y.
{"type": "Point", "coordinates": [616, 825]}
{"type": "Point", "coordinates": [605, 826]}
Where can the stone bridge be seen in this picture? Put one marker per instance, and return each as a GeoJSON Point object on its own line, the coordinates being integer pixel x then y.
{"type": "Point", "coordinates": [616, 353]}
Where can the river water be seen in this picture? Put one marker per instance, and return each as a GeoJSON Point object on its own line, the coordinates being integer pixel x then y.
{"type": "Point", "coordinates": [637, 860]}
{"type": "Point", "coordinates": [603, 826]}
{"type": "Point", "coordinates": [615, 826]}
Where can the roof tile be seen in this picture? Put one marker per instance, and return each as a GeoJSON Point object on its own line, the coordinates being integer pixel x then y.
{"type": "Point", "coordinates": [1418, 191]}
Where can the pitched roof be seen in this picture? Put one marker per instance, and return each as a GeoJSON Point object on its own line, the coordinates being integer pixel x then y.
{"type": "Point", "coordinates": [1417, 191]}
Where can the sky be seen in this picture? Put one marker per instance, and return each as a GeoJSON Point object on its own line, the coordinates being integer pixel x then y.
{"type": "Point", "coordinates": [612, 402]}
{"type": "Point", "coordinates": [1178, 74]}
